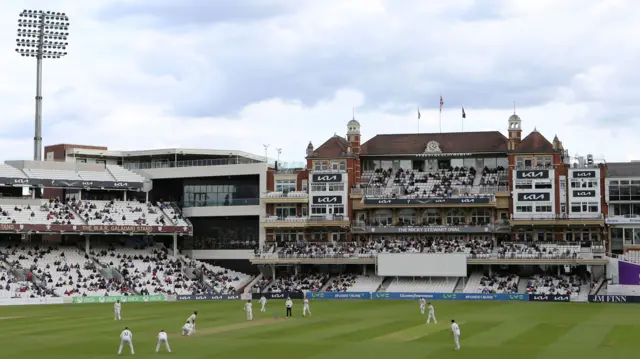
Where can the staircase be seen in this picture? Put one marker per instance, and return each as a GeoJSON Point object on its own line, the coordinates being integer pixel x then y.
{"type": "Point", "coordinates": [385, 284]}
{"type": "Point", "coordinates": [522, 285]}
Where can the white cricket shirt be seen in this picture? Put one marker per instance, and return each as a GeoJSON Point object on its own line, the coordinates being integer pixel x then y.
{"type": "Point", "coordinates": [162, 336]}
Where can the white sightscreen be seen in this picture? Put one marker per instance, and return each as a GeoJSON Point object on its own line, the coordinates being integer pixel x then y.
{"type": "Point", "coordinates": [422, 265]}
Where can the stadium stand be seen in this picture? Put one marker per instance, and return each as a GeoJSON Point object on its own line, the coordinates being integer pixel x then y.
{"type": "Point", "coordinates": [431, 285]}
{"type": "Point", "coordinates": [478, 283]}
{"type": "Point", "coordinates": [532, 251]}
{"type": "Point", "coordinates": [297, 283]}
{"type": "Point", "coordinates": [123, 175]}
{"type": "Point", "coordinates": [562, 284]}
{"type": "Point", "coordinates": [11, 172]}
{"type": "Point", "coordinates": [51, 211]}
{"type": "Point", "coordinates": [354, 283]}
{"type": "Point", "coordinates": [631, 257]}
{"type": "Point", "coordinates": [122, 213]}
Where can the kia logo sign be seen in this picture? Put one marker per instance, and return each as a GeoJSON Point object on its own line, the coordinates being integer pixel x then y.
{"type": "Point", "coordinates": [327, 200]}
{"type": "Point", "coordinates": [467, 200]}
{"type": "Point", "coordinates": [21, 181]}
{"type": "Point", "coordinates": [201, 297]}
{"type": "Point", "coordinates": [534, 197]}
{"type": "Point", "coordinates": [532, 174]}
{"type": "Point", "coordinates": [120, 184]}
{"type": "Point", "coordinates": [584, 174]}
{"type": "Point", "coordinates": [587, 193]}
{"type": "Point", "coordinates": [335, 177]}
{"type": "Point", "coordinates": [87, 184]}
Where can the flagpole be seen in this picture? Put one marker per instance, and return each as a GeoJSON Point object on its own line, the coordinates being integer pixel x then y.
{"type": "Point", "coordinates": [463, 115]}
{"type": "Point", "coordinates": [440, 120]}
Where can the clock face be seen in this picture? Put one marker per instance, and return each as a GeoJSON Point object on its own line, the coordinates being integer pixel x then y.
{"type": "Point", "coordinates": [432, 146]}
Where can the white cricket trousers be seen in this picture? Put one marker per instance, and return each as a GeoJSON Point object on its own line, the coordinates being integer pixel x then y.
{"type": "Point", "coordinates": [187, 330]}
{"type": "Point", "coordinates": [166, 345]}
{"type": "Point", "coordinates": [456, 339]}
{"type": "Point", "coordinates": [116, 315]}
{"type": "Point", "coordinates": [306, 310]}
{"type": "Point", "coordinates": [263, 309]}
{"type": "Point", "coordinates": [432, 316]}
{"type": "Point", "coordinates": [122, 342]}
{"type": "Point", "coordinates": [422, 308]}
{"type": "Point", "coordinates": [250, 315]}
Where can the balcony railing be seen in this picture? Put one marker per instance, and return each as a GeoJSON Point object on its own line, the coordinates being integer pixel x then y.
{"type": "Point", "coordinates": [328, 218]}
{"type": "Point", "coordinates": [357, 191]}
{"type": "Point", "coordinates": [549, 217]}
{"type": "Point", "coordinates": [293, 194]}
{"type": "Point", "coordinates": [188, 163]}
{"type": "Point", "coordinates": [221, 203]}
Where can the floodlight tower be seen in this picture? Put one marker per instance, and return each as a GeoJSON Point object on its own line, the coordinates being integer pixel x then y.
{"type": "Point", "coordinates": [43, 35]}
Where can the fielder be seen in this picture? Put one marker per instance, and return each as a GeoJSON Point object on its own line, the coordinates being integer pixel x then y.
{"type": "Point", "coordinates": [249, 310]}
{"type": "Point", "coordinates": [187, 329]}
{"type": "Point", "coordinates": [163, 338]}
{"type": "Point", "coordinates": [263, 303]}
{"type": "Point", "coordinates": [423, 305]}
{"type": "Point", "coordinates": [456, 333]}
{"type": "Point", "coordinates": [116, 310]}
{"type": "Point", "coordinates": [288, 304]}
{"type": "Point", "coordinates": [305, 308]}
{"type": "Point", "coordinates": [432, 314]}
{"type": "Point", "coordinates": [126, 337]}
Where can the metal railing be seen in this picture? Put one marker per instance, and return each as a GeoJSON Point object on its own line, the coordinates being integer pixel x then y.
{"type": "Point", "coordinates": [188, 163]}
{"type": "Point", "coordinates": [221, 203]}
{"type": "Point", "coordinates": [553, 216]}
{"type": "Point", "coordinates": [329, 218]}
{"type": "Point", "coordinates": [417, 225]}
{"type": "Point", "coordinates": [292, 194]}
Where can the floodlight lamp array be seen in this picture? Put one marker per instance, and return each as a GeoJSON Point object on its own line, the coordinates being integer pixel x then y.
{"type": "Point", "coordinates": [42, 33]}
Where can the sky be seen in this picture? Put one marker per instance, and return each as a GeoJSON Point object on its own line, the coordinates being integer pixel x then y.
{"type": "Point", "coordinates": [238, 75]}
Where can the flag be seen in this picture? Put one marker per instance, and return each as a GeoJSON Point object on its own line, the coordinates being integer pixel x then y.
{"type": "Point", "coordinates": [464, 115]}
{"type": "Point", "coordinates": [418, 113]}
{"type": "Point", "coordinates": [441, 103]}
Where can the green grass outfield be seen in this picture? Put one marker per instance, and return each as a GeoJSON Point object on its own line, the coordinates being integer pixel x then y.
{"type": "Point", "coordinates": [350, 329]}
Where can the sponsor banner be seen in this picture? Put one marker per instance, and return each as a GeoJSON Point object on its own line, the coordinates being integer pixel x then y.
{"type": "Point", "coordinates": [583, 174]}
{"type": "Point", "coordinates": [613, 299]}
{"type": "Point", "coordinates": [9, 227]}
{"type": "Point", "coordinates": [326, 199]}
{"type": "Point", "coordinates": [628, 273]}
{"type": "Point", "coordinates": [418, 201]}
{"type": "Point", "coordinates": [31, 301]}
{"type": "Point", "coordinates": [121, 298]}
{"type": "Point", "coordinates": [326, 177]}
{"type": "Point", "coordinates": [55, 183]}
{"type": "Point", "coordinates": [338, 295]}
{"type": "Point", "coordinates": [292, 295]}
{"type": "Point", "coordinates": [532, 174]}
{"type": "Point", "coordinates": [584, 193]}
{"type": "Point", "coordinates": [622, 220]}
{"type": "Point", "coordinates": [438, 229]}
{"type": "Point", "coordinates": [549, 298]}
{"type": "Point", "coordinates": [450, 296]}
{"type": "Point", "coordinates": [208, 297]}
{"type": "Point", "coordinates": [534, 197]}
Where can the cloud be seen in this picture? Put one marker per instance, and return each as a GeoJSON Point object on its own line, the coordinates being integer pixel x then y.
{"type": "Point", "coordinates": [241, 74]}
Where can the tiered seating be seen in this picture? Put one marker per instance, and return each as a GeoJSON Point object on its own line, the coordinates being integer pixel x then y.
{"type": "Point", "coordinates": [48, 212]}
{"type": "Point", "coordinates": [317, 250]}
{"type": "Point", "coordinates": [67, 271]}
{"type": "Point", "coordinates": [295, 194]}
{"type": "Point", "coordinates": [531, 250]}
{"type": "Point", "coordinates": [355, 283]}
{"type": "Point", "coordinates": [311, 282]}
{"type": "Point", "coordinates": [478, 246]}
{"type": "Point", "coordinates": [393, 245]}
{"type": "Point", "coordinates": [563, 284]}
{"type": "Point", "coordinates": [498, 284]}
{"type": "Point", "coordinates": [222, 280]}
{"type": "Point", "coordinates": [124, 175]}
{"type": "Point", "coordinates": [631, 256]}
{"type": "Point", "coordinates": [169, 211]}
{"type": "Point", "coordinates": [433, 285]}
{"type": "Point", "coordinates": [148, 270]}
{"type": "Point", "coordinates": [10, 287]}
{"type": "Point", "coordinates": [52, 174]}
{"type": "Point", "coordinates": [261, 284]}
{"type": "Point", "coordinates": [121, 213]}
{"type": "Point", "coordinates": [493, 177]}
{"type": "Point", "coordinates": [96, 176]}
{"type": "Point", "coordinates": [10, 172]}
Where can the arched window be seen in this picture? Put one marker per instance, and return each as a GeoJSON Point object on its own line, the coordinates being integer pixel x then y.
{"type": "Point", "coordinates": [480, 216]}
{"type": "Point", "coordinates": [456, 217]}
{"type": "Point", "coordinates": [407, 217]}
{"type": "Point", "coordinates": [432, 217]}
{"type": "Point", "coordinates": [382, 217]}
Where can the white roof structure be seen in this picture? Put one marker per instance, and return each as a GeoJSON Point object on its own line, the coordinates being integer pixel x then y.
{"type": "Point", "coordinates": [163, 152]}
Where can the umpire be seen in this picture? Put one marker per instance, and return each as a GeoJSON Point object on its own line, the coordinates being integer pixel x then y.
{"type": "Point", "coordinates": [289, 305]}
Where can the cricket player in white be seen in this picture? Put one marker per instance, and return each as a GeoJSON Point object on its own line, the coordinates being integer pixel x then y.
{"type": "Point", "coordinates": [456, 333]}
{"type": "Point", "coordinates": [126, 337]}
{"type": "Point", "coordinates": [249, 310]}
{"type": "Point", "coordinates": [116, 310]}
{"type": "Point", "coordinates": [289, 305]}
{"type": "Point", "coordinates": [263, 303]}
{"type": "Point", "coordinates": [432, 314]}
{"type": "Point", "coordinates": [187, 329]}
{"type": "Point", "coordinates": [305, 308]}
{"type": "Point", "coordinates": [163, 338]}
{"type": "Point", "coordinates": [423, 305]}
{"type": "Point", "coordinates": [192, 321]}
